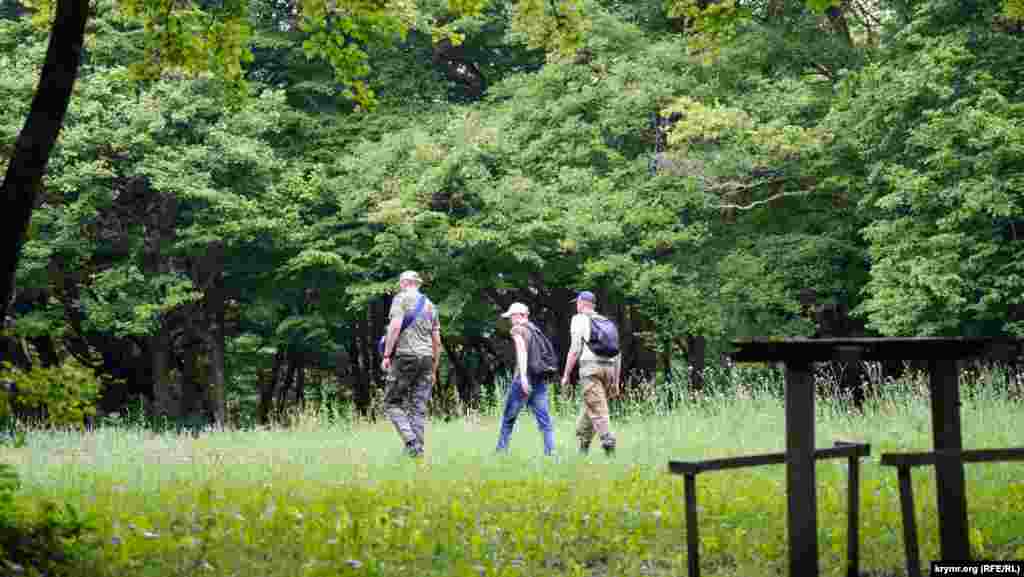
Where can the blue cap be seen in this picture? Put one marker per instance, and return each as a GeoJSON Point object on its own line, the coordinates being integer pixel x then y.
{"type": "Point", "coordinates": [584, 296]}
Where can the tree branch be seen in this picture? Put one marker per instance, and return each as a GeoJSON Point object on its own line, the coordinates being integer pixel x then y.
{"type": "Point", "coordinates": [764, 201]}
{"type": "Point", "coordinates": [823, 70]}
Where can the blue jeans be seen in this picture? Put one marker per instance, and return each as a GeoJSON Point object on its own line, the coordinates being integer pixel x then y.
{"type": "Point", "coordinates": [538, 403]}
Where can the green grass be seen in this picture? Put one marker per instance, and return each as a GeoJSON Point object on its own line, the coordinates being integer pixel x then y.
{"type": "Point", "coordinates": [318, 500]}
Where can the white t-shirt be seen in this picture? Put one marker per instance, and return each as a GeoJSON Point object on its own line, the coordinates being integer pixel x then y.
{"type": "Point", "coordinates": [579, 335]}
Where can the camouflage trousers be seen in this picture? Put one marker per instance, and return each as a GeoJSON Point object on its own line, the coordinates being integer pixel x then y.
{"type": "Point", "coordinates": [405, 402]}
{"type": "Point", "coordinates": [597, 378]}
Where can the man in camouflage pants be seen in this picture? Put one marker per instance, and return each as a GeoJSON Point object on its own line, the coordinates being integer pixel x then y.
{"type": "Point", "coordinates": [411, 356]}
{"type": "Point", "coordinates": [598, 375]}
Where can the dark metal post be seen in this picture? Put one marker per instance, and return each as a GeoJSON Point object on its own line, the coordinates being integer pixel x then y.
{"type": "Point", "coordinates": [949, 468]}
{"type": "Point", "coordinates": [909, 522]}
{"type": "Point", "coordinates": [692, 541]}
{"type": "Point", "coordinates": [801, 490]}
{"type": "Point", "coordinates": [853, 517]}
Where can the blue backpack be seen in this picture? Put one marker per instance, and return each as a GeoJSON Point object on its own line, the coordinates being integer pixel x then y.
{"type": "Point", "coordinates": [407, 320]}
{"type": "Point", "coordinates": [604, 337]}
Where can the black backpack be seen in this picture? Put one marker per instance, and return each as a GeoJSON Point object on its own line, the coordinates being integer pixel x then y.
{"type": "Point", "coordinates": [604, 336]}
{"type": "Point", "coordinates": [541, 358]}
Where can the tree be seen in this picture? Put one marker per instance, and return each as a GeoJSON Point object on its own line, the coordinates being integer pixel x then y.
{"type": "Point", "coordinates": [25, 170]}
{"type": "Point", "coordinates": [196, 38]}
{"type": "Point", "coordinates": [933, 135]}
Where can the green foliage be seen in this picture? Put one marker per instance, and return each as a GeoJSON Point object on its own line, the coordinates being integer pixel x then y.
{"type": "Point", "coordinates": [9, 484]}
{"type": "Point", "coordinates": [64, 394]}
{"type": "Point", "coordinates": [325, 496]}
{"type": "Point", "coordinates": [55, 541]}
{"type": "Point", "coordinates": [1014, 9]}
{"type": "Point", "coordinates": [942, 153]}
{"type": "Point", "coordinates": [875, 166]}
{"type": "Point", "coordinates": [713, 24]}
{"type": "Point", "coordinates": [558, 27]}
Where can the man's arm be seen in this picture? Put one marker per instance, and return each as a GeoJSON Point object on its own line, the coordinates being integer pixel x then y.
{"type": "Point", "coordinates": [396, 314]}
{"type": "Point", "coordinates": [617, 376]}
{"type": "Point", "coordinates": [575, 349]}
{"type": "Point", "coordinates": [570, 363]}
{"type": "Point", "coordinates": [394, 328]}
{"type": "Point", "coordinates": [390, 341]}
{"type": "Point", "coordinates": [524, 380]}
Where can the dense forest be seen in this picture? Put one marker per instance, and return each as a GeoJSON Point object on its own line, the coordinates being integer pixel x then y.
{"type": "Point", "coordinates": [236, 186]}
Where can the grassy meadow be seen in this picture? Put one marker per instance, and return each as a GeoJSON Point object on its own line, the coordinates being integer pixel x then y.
{"type": "Point", "coordinates": [331, 496]}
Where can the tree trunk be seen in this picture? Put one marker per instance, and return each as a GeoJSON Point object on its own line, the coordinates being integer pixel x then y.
{"type": "Point", "coordinates": [467, 387]}
{"type": "Point", "coordinates": [695, 350]}
{"type": "Point", "coordinates": [300, 383]}
{"type": "Point", "coordinates": [379, 325]}
{"type": "Point", "coordinates": [289, 378]}
{"type": "Point", "coordinates": [46, 350]}
{"type": "Point", "coordinates": [266, 405]}
{"type": "Point", "coordinates": [192, 383]}
{"type": "Point", "coordinates": [627, 344]}
{"type": "Point", "coordinates": [208, 272]}
{"type": "Point", "coordinates": [665, 361]}
{"type": "Point", "coordinates": [216, 396]}
{"type": "Point", "coordinates": [36, 140]}
{"type": "Point", "coordinates": [852, 383]}
{"type": "Point", "coordinates": [363, 364]}
{"type": "Point", "coordinates": [165, 402]}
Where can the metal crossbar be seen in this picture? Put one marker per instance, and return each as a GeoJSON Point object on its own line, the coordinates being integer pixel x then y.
{"type": "Point", "coordinates": [905, 461]}
{"type": "Point", "coordinates": [853, 452]}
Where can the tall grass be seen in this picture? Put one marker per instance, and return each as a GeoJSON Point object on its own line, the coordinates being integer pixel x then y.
{"type": "Point", "coordinates": [334, 495]}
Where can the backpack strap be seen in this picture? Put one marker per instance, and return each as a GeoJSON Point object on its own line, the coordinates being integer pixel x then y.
{"type": "Point", "coordinates": [409, 319]}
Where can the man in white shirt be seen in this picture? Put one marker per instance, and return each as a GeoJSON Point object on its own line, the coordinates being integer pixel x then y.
{"type": "Point", "coordinates": [598, 375]}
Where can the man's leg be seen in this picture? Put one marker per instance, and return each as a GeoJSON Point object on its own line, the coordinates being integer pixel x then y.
{"type": "Point", "coordinates": [396, 400]}
{"type": "Point", "coordinates": [423, 384]}
{"type": "Point", "coordinates": [539, 403]}
{"type": "Point", "coordinates": [584, 424]}
{"type": "Point", "coordinates": [513, 404]}
{"type": "Point", "coordinates": [607, 437]}
{"type": "Point", "coordinates": [595, 403]}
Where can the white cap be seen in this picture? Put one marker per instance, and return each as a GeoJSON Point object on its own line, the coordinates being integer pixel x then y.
{"type": "Point", "coordinates": [410, 275]}
{"type": "Point", "coordinates": [516, 308]}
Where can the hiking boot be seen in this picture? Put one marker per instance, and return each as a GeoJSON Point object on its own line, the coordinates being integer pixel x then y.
{"type": "Point", "coordinates": [608, 444]}
{"type": "Point", "coordinates": [413, 449]}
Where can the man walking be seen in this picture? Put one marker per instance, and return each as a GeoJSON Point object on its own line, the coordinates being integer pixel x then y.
{"type": "Point", "coordinates": [528, 387]}
{"type": "Point", "coordinates": [600, 370]}
{"type": "Point", "coordinates": [411, 354]}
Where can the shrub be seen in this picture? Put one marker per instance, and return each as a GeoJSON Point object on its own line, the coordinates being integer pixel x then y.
{"type": "Point", "coordinates": [56, 541]}
{"type": "Point", "coordinates": [62, 395]}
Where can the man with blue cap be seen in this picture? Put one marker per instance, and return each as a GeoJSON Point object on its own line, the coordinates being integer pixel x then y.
{"type": "Point", "coordinates": [600, 370]}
